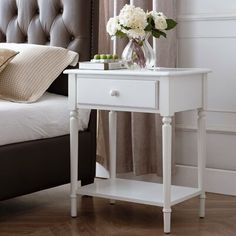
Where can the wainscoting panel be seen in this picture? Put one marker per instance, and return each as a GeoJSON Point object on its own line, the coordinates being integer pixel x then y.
{"type": "Point", "coordinates": [207, 38]}
{"type": "Point", "coordinates": [217, 180]}
{"type": "Point", "coordinates": [205, 6]}
{"type": "Point", "coordinates": [218, 146]}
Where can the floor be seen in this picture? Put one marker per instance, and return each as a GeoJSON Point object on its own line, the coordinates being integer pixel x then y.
{"type": "Point", "coordinates": [46, 213]}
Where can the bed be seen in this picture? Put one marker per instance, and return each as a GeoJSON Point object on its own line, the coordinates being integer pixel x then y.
{"type": "Point", "coordinates": [29, 166]}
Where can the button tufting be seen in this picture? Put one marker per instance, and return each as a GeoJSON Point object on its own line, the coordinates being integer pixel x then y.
{"type": "Point", "coordinates": [72, 38]}
{"type": "Point", "coordinates": [37, 11]}
{"type": "Point", "coordinates": [61, 10]}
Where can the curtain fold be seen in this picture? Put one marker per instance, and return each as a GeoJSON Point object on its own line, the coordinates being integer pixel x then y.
{"type": "Point", "coordinates": [139, 135]}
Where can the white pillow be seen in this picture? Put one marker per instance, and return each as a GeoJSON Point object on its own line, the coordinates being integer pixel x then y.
{"type": "Point", "coordinates": [30, 74]}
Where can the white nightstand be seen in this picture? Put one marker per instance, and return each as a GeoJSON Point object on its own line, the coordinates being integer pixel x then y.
{"type": "Point", "coordinates": [163, 91]}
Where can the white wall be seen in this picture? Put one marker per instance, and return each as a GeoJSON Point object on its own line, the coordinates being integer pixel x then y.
{"type": "Point", "coordinates": [207, 38]}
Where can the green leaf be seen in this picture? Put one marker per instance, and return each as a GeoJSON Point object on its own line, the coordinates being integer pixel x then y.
{"type": "Point", "coordinates": [170, 24]}
{"type": "Point", "coordinates": [162, 34]}
{"type": "Point", "coordinates": [157, 33]}
{"type": "Point", "coordinates": [125, 27]}
{"type": "Point", "coordinates": [120, 34]}
{"type": "Point", "coordinates": [150, 25]}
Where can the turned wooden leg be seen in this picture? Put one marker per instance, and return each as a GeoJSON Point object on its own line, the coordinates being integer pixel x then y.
{"type": "Point", "coordinates": [74, 137]}
{"type": "Point", "coordinates": [166, 146]}
{"type": "Point", "coordinates": [201, 139]}
{"type": "Point", "coordinates": [112, 145]}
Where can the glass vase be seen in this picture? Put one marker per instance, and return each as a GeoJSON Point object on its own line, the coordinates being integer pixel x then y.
{"type": "Point", "coordinates": [138, 54]}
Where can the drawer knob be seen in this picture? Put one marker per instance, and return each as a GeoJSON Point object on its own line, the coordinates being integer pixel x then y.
{"type": "Point", "coordinates": [114, 93]}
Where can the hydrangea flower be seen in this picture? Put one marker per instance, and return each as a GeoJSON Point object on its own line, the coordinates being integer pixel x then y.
{"type": "Point", "coordinates": [113, 26]}
{"type": "Point", "coordinates": [159, 20]}
{"type": "Point", "coordinates": [134, 23]}
{"type": "Point", "coordinates": [133, 17]}
{"type": "Point", "coordinates": [136, 33]}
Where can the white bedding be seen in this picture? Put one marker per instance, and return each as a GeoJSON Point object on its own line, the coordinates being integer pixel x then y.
{"type": "Point", "coordinates": [47, 118]}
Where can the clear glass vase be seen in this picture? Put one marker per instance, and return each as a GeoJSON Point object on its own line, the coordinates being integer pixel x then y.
{"type": "Point", "coordinates": [138, 54]}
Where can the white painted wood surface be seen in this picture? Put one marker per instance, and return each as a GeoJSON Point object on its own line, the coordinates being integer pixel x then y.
{"type": "Point", "coordinates": [117, 93]}
{"type": "Point", "coordinates": [201, 135]}
{"type": "Point", "coordinates": [112, 145]}
{"type": "Point", "coordinates": [166, 149]}
{"type": "Point", "coordinates": [168, 84]}
{"type": "Point", "coordinates": [137, 191]}
{"type": "Point", "coordinates": [112, 142]}
{"type": "Point", "coordinates": [73, 142]}
{"type": "Point", "coordinates": [74, 160]}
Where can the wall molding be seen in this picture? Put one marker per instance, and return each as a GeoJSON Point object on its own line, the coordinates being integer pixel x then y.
{"type": "Point", "coordinates": [221, 111]}
{"type": "Point", "coordinates": [206, 17]}
{"type": "Point", "coordinates": [212, 128]}
{"type": "Point", "coordinates": [216, 180]}
{"type": "Point", "coordinates": [216, 129]}
{"type": "Point", "coordinates": [197, 26]}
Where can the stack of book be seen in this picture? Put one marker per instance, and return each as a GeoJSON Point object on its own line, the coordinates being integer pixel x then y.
{"type": "Point", "coordinates": [93, 65]}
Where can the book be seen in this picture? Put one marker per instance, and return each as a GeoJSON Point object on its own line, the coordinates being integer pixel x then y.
{"type": "Point", "coordinates": [88, 65]}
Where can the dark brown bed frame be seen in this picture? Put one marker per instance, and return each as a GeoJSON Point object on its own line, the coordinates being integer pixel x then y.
{"type": "Point", "coordinates": [36, 165]}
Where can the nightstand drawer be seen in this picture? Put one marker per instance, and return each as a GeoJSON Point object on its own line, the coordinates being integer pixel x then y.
{"type": "Point", "coordinates": [123, 93]}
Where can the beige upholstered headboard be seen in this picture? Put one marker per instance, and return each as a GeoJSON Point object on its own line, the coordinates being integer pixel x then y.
{"type": "Point", "coordinates": [71, 24]}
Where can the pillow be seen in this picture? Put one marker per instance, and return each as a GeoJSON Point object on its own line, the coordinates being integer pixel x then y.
{"type": "Point", "coordinates": [6, 55]}
{"type": "Point", "coordinates": [30, 74]}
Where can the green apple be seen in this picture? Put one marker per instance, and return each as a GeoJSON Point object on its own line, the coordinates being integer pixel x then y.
{"type": "Point", "coordinates": [97, 57]}
{"type": "Point", "coordinates": [103, 56]}
{"type": "Point", "coordinates": [115, 56]}
{"type": "Point", "coordinates": [109, 56]}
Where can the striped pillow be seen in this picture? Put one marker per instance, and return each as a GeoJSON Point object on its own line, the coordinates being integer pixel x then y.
{"type": "Point", "coordinates": [30, 74]}
{"type": "Point", "coordinates": [6, 55]}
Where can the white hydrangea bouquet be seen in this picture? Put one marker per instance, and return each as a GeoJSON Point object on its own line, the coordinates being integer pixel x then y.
{"type": "Point", "coordinates": [137, 25]}
{"type": "Point", "coordinates": [133, 22]}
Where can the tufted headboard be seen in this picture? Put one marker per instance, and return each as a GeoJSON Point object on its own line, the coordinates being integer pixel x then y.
{"type": "Point", "coordinates": [71, 24]}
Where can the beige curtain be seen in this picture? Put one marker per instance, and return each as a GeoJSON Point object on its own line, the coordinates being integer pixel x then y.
{"type": "Point", "coordinates": [139, 142]}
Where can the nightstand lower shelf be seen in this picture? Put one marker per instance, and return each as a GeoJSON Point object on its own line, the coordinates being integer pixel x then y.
{"type": "Point", "coordinates": [137, 191]}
